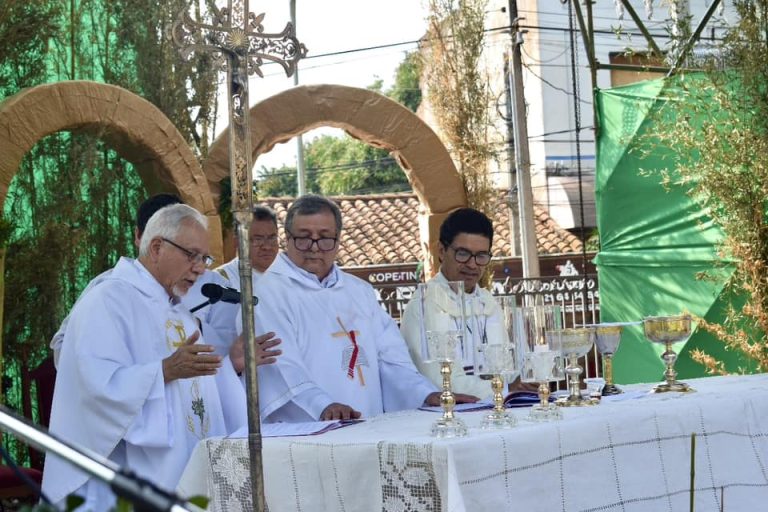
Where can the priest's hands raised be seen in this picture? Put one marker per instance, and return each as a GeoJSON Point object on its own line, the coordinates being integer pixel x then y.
{"type": "Point", "coordinates": [337, 411]}
{"type": "Point", "coordinates": [433, 399]}
{"type": "Point", "coordinates": [264, 353]}
{"type": "Point", "coordinates": [191, 360]}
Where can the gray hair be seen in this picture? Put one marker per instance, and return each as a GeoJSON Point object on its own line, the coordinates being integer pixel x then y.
{"type": "Point", "coordinates": [167, 222]}
{"type": "Point", "coordinates": [311, 204]}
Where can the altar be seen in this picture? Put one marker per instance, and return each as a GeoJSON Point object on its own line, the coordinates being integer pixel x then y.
{"type": "Point", "coordinates": [631, 454]}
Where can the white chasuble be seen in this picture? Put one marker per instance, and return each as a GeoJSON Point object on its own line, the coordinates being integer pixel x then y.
{"type": "Point", "coordinates": [110, 394]}
{"type": "Point", "coordinates": [484, 324]}
{"type": "Point", "coordinates": [338, 345]}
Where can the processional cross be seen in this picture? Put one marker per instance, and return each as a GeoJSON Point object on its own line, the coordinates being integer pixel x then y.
{"type": "Point", "coordinates": [236, 39]}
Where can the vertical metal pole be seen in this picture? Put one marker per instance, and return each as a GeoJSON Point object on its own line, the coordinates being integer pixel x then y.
{"type": "Point", "coordinates": [522, 156]}
{"type": "Point", "coordinates": [301, 182]}
{"type": "Point", "coordinates": [242, 203]}
{"type": "Point", "coordinates": [512, 202]}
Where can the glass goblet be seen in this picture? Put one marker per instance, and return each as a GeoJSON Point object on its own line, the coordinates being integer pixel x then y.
{"type": "Point", "coordinates": [442, 348]}
{"type": "Point", "coordinates": [575, 343]}
{"type": "Point", "coordinates": [500, 367]}
{"type": "Point", "coordinates": [607, 338]}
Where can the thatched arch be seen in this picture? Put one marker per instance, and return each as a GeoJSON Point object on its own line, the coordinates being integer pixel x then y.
{"type": "Point", "coordinates": [370, 117]}
{"type": "Point", "coordinates": [134, 127]}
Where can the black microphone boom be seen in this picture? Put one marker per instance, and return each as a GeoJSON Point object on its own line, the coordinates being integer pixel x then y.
{"type": "Point", "coordinates": [215, 293]}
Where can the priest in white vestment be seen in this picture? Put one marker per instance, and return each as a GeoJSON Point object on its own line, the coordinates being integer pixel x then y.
{"type": "Point", "coordinates": [217, 321]}
{"type": "Point", "coordinates": [264, 245]}
{"type": "Point", "coordinates": [466, 237]}
{"type": "Point", "coordinates": [136, 382]}
{"type": "Point", "coordinates": [343, 356]}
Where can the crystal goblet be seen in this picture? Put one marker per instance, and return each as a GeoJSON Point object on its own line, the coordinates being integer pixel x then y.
{"type": "Point", "coordinates": [442, 348]}
{"type": "Point", "coordinates": [607, 338]}
{"type": "Point", "coordinates": [575, 343]}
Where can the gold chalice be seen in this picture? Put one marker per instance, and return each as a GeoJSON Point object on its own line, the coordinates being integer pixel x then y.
{"type": "Point", "coordinates": [668, 330]}
{"type": "Point", "coordinates": [575, 343]}
{"type": "Point", "coordinates": [499, 366]}
{"type": "Point", "coordinates": [607, 338]}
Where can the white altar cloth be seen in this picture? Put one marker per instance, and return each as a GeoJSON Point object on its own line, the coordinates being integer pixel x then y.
{"type": "Point", "coordinates": [629, 455]}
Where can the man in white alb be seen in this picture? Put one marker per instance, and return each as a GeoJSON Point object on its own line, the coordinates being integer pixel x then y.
{"type": "Point", "coordinates": [217, 321]}
{"type": "Point", "coordinates": [136, 382]}
{"type": "Point", "coordinates": [264, 245]}
{"type": "Point", "coordinates": [466, 236]}
{"type": "Point", "coordinates": [343, 356]}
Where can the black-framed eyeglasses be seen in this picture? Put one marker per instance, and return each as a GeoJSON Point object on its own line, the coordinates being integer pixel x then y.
{"type": "Point", "coordinates": [194, 257]}
{"type": "Point", "coordinates": [305, 243]}
{"type": "Point", "coordinates": [463, 256]}
{"type": "Point", "coordinates": [263, 241]}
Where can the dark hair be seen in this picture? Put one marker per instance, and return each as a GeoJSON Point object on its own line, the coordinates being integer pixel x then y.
{"type": "Point", "coordinates": [465, 220]}
{"type": "Point", "coordinates": [311, 204]}
{"type": "Point", "coordinates": [148, 208]}
{"type": "Point", "coordinates": [264, 213]}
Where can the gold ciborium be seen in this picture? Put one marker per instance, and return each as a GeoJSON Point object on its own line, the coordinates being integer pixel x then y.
{"type": "Point", "coordinates": [442, 348]}
{"type": "Point", "coordinates": [575, 343]}
{"type": "Point", "coordinates": [607, 338]}
{"type": "Point", "coordinates": [668, 330]}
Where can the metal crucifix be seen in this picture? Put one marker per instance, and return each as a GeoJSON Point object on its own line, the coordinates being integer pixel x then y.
{"type": "Point", "coordinates": [235, 37]}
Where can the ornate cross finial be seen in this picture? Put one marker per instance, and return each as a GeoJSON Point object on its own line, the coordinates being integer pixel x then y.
{"type": "Point", "coordinates": [235, 37]}
{"type": "Point", "coordinates": [235, 32]}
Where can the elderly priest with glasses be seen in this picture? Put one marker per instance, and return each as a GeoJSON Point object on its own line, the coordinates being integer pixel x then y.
{"type": "Point", "coordinates": [136, 381]}
{"type": "Point", "coordinates": [343, 356]}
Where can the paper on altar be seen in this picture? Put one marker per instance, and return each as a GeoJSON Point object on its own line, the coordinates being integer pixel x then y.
{"type": "Point", "coordinates": [475, 406]}
{"type": "Point", "coordinates": [308, 428]}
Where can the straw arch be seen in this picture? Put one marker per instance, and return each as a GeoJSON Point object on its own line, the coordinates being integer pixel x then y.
{"type": "Point", "coordinates": [134, 127]}
{"type": "Point", "coordinates": [370, 117]}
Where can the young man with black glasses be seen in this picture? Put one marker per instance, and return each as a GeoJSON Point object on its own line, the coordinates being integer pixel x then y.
{"type": "Point", "coordinates": [343, 356]}
{"type": "Point", "coordinates": [466, 236]}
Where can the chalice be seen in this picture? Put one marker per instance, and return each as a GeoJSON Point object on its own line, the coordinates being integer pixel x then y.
{"type": "Point", "coordinates": [442, 348]}
{"type": "Point", "coordinates": [500, 367]}
{"type": "Point", "coordinates": [668, 330]}
{"type": "Point", "coordinates": [607, 338]}
{"type": "Point", "coordinates": [540, 355]}
{"type": "Point", "coordinates": [575, 343]}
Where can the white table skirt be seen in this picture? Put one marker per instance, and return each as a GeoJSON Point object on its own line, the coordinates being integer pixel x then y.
{"type": "Point", "coordinates": [629, 456]}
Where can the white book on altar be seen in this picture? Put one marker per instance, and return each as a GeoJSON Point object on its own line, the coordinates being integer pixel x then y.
{"type": "Point", "coordinates": [308, 428]}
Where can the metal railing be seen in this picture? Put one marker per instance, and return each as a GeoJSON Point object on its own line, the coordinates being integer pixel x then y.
{"type": "Point", "coordinates": [577, 296]}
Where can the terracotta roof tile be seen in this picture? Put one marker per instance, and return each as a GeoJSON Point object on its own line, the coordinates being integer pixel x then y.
{"type": "Point", "coordinates": [383, 229]}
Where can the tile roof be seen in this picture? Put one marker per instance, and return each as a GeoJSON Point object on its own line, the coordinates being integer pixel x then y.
{"type": "Point", "coordinates": [383, 229]}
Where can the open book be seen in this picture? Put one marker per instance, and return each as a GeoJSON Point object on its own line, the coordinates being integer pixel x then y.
{"type": "Point", "coordinates": [308, 428]}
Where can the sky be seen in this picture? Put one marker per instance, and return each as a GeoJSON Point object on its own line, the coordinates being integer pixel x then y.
{"type": "Point", "coordinates": [332, 30]}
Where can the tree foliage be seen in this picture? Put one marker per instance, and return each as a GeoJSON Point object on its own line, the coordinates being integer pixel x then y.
{"type": "Point", "coordinates": [719, 134]}
{"type": "Point", "coordinates": [458, 91]}
{"type": "Point", "coordinates": [70, 208]}
{"type": "Point", "coordinates": [345, 165]}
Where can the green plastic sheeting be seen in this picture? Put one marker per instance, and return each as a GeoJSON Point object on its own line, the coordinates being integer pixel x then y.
{"type": "Point", "coordinates": [655, 241]}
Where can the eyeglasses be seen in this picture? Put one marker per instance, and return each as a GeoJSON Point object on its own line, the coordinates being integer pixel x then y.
{"type": "Point", "coordinates": [463, 256]}
{"type": "Point", "coordinates": [305, 243]}
{"type": "Point", "coordinates": [194, 257]}
{"type": "Point", "coordinates": [263, 241]}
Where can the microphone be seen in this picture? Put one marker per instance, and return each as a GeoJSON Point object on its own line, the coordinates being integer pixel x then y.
{"type": "Point", "coordinates": [215, 293]}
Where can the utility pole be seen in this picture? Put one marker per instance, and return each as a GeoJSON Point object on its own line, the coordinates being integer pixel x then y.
{"type": "Point", "coordinates": [301, 183]}
{"type": "Point", "coordinates": [530, 255]}
{"type": "Point", "coordinates": [513, 204]}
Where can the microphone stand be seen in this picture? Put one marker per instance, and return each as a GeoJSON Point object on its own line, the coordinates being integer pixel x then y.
{"type": "Point", "coordinates": [200, 306]}
{"type": "Point", "coordinates": [143, 494]}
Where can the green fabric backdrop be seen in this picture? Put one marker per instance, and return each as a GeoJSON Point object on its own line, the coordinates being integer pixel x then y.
{"type": "Point", "coordinates": [655, 241]}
